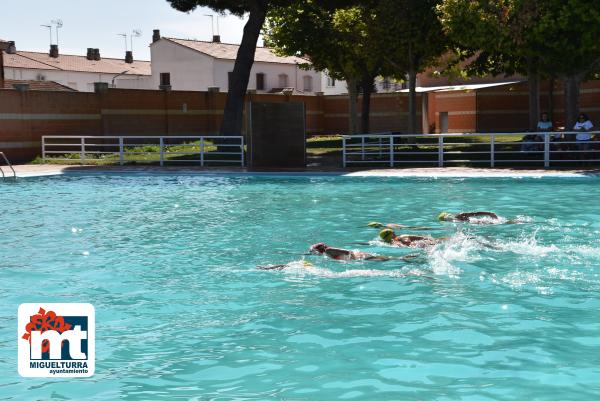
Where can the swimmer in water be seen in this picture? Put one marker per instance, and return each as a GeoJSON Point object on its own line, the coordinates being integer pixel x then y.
{"type": "Point", "coordinates": [343, 254]}
{"type": "Point", "coordinates": [412, 241]}
{"type": "Point", "coordinates": [474, 217]}
{"type": "Point", "coordinates": [376, 224]}
{"type": "Point", "coordinates": [281, 267]}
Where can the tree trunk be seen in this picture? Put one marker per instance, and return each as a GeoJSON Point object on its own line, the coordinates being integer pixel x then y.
{"type": "Point", "coordinates": [551, 98]}
{"type": "Point", "coordinates": [412, 93]}
{"type": "Point", "coordinates": [352, 109]}
{"type": "Point", "coordinates": [571, 101]}
{"type": "Point", "coordinates": [234, 107]}
{"type": "Point", "coordinates": [412, 100]}
{"type": "Point", "coordinates": [533, 79]}
{"type": "Point", "coordinates": [367, 89]}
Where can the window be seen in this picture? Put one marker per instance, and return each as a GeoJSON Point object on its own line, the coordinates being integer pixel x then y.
{"type": "Point", "coordinates": [386, 84]}
{"type": "Point", "coordinates": [260, 81]}
{"type": "Point", "coordinates": [165, 79]}
{"type": "Point", "coordinates": [307, 83]}
{"type": "Point", "coordinates": [283, 80]}
{"type": "Point", "coordinates": [330, 82]}
{"type": "Point", "coordinates": [229, 79]}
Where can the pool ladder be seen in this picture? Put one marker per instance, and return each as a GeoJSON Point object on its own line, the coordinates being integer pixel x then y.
{"type": "Point", "coordinates": [14, 174]}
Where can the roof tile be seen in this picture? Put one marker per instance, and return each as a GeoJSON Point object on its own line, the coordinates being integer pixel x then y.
{"type": "Point", "coordinates": [65, 62]}
{"type": "Point", "coordinates": [229, 51]}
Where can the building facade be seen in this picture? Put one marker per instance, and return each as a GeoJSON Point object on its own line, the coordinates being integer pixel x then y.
{"type": "Point", "coordinates": [199, 65]}
{"type": "Point", "coordinates": [76, 72]}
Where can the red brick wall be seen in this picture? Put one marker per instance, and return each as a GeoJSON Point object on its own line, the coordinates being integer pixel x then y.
{"type": "Point", "coordinates": [389, 112]}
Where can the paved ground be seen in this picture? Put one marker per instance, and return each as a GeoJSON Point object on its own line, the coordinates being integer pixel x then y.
{"type": "Point", "coordinates": [31, 170]}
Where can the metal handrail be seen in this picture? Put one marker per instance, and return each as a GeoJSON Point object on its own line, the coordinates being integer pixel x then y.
{"type": "Point", "coordinates": [80, 145]}
{"type": "Point", "coordinates": [383, 148]}
{"type": "Point", "coordinates": [9, 165]}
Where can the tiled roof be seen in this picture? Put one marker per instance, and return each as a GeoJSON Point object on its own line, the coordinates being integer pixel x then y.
{"type": "Point", "coordinates": [38, 85]}
{"type": "Point", "coordinates": [229, 51]}
{"type": "Point", "coordinates": [65, 62]}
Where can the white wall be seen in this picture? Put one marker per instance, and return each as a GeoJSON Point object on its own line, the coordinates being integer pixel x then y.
{"type": "Point", "coordinates": [192, 70]}
{"type": "Point", "coordinates": [189, 69]}
{"type": "Point", "coordinates": [81, 81]}
{"type": "Point", "coordinates": [339, 88]}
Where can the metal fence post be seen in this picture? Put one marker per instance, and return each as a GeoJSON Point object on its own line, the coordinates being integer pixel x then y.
{"type": "Point", "coordinates": [82, 156]}
{"type": "Point", "coordinates": [162, 151]}
{"type": "Point", "coordinates": [242, 150]}
{"type": "Point", "coordinates": [121, 155]}
{"type": "Point", "coordinates": [391, 151]}
{"type": "Point", "coordinates": [440, 151]}
{"type": "Point", "coordinates": [546, 150]}
{"type": "Point", "coordinates": [201, 151]}
{"type": "Point", "coordinates": [492, 150]}
{"type": "Point", "coordinates": [43, 149]}
{"type": "Point", "coordinates": [344, 152]}
{"type": "Point", "coordinates": [362, 147]}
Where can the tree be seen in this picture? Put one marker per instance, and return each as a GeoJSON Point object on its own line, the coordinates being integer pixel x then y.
{"type": "Point", "coordinates": [257, 10]}
{"type": "Point", "coordinates": [416, 41]}
{"type": "Point", "coordinates": [342, 41]}
{"type": "Point", "coordinates": [498, 38]}
{"type": "Point", "coordinates": [568, 32]}
{"type": "Point", "coordinates": [536, 38]}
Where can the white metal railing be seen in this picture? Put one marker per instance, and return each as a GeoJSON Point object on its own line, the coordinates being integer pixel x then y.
{"type": "Point", "coordinates": [200, 150]}
{"type": "Point", "coordinates": [14, 173]}
{"type": "Point", "coordinates": [470, 148]}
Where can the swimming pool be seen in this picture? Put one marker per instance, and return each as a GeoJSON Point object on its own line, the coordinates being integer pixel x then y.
{"type": "Point", "coordinates": [499, 312]}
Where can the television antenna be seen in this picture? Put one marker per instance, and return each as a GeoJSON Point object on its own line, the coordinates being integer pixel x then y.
{"type": "Point", "coordinates": [124, 35]}
{"type": "Point", "coordinates": [212, 23]}
{"type": "Point", "coordinates": [135, 33]}
{"type": "Point", "coordinates": [49, 30]}
{"type": "Point", "coordinates": [58, 24]}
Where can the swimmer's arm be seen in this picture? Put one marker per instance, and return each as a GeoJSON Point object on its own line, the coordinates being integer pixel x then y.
{"type": "Point", "coordinates": [271, 267]}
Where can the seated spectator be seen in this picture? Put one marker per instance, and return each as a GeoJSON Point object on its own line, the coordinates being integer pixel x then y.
{"type": "Point", "coordinates": [544, 125]}
{"type": "Point", "coordinates": [583, 127]}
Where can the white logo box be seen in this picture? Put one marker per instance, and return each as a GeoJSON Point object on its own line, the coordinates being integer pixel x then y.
{"type": "Point", "coordinates": [78, 363]}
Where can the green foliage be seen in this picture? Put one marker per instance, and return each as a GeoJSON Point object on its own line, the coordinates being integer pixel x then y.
{"type": "Point", "coordinates": [337, 40]}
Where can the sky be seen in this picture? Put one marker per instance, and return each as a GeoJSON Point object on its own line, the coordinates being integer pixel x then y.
{"type": "Point", "coordinates": [98, 24]}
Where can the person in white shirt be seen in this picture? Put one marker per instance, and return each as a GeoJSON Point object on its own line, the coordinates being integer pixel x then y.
{"type": "Point", "coordinates": [583, 137]}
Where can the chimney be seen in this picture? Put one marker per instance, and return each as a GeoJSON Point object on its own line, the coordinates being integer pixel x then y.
{"type": "Point", "coordinates": [129, 57]}
{"type": "Point", "coordinates": [217, 38]}
{"type": "Point", "coordinates": [155, 35]}
{"type": "Point", "coordinates": [97, 54]}
{"type": "Point", "coordinates": [90, 53]}
{"type": "Point", "coordinates": [54, 51]}
{"type": "Point", "coordinates": [12, 49]}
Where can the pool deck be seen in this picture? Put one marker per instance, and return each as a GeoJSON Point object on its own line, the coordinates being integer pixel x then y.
{"type": "Point", "coordinates": [37, 170]}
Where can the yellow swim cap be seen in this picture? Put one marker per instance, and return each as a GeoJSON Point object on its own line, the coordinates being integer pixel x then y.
{"type": "Point", "coordinates": [307, 264]}
{"type": "Point", "coordinates": [443, 216]}
{"type": "Point", "coordinates": [375, 224]}
{"type": "Point", "coordinates": [387, 234]}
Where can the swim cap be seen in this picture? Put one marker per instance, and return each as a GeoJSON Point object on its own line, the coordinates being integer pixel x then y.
{"type": "Point", "coordinates": [318, 248]}
{"type": "Point", "coordinates": [443, 216]}
{"type": "Point", "coordinates": [375, 224]}
{"type": "Point", "coordinates": [387, 234]}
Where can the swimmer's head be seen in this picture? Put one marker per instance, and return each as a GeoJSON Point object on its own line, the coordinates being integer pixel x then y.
{"type": "Point", "coordinates": [375, 224]}
{"type": "Point", "coordinates": [318, 248]}
{"type": "Point", "coordinates": [306, 264]}
{"type": "Point", "coordinates": [444, 216]}
{"type": "Point", "coordinates": [387, 235]}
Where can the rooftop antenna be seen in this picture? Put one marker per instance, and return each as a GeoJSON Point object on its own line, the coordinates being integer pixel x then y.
{"type": "Point", "coordinates": [50, 30]}
{"type": "Point", "coordinates": [58, 24]}
{"type": "Point", "coordinates": [135, 33]}
{"type": "Point", "coordinates": [212, 22]}
{"type": "Point", "coordinates": [124, 35]}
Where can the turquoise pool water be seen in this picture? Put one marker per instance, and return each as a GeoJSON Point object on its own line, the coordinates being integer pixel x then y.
{"type": "Point", "coordinates": [503, 312]}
